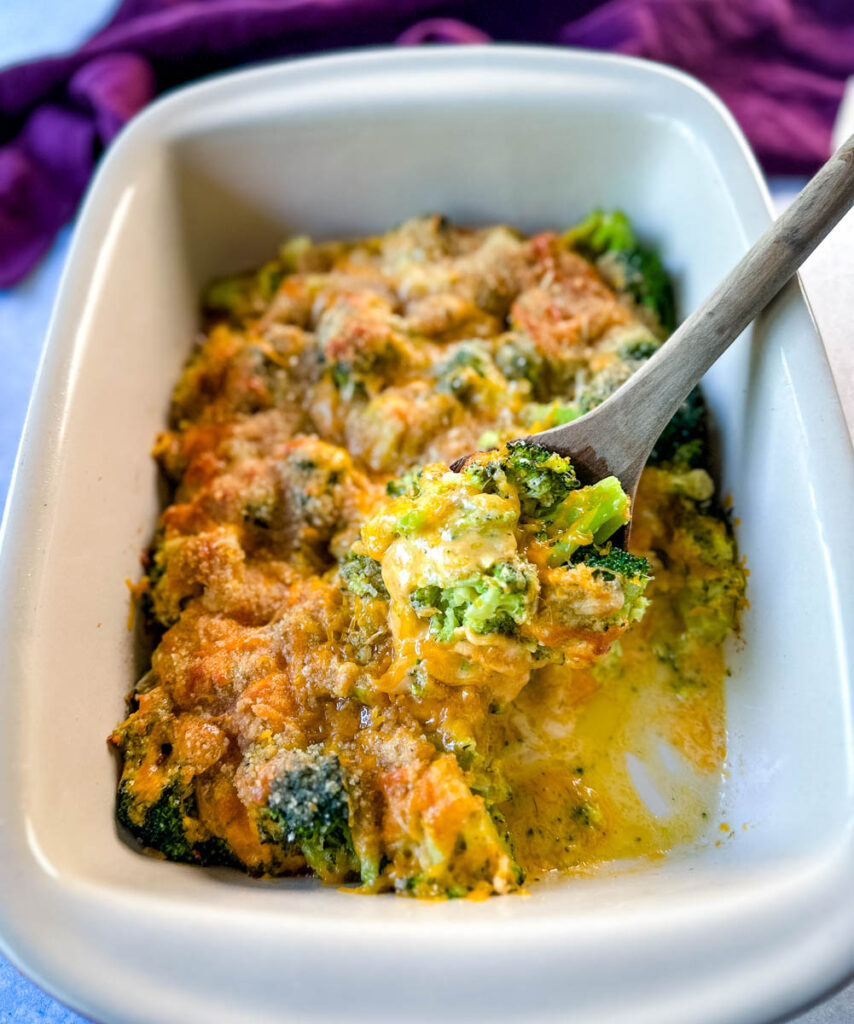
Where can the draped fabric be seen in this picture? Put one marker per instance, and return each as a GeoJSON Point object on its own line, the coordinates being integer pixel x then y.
{"type": "Point", "coordinates": [780, 65]}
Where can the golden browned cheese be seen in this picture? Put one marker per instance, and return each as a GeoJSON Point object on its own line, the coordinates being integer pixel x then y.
{"type": "Point", "coordinates": [319, 380]}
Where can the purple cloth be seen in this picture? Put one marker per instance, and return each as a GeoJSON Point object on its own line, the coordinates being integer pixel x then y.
{"type": "Point", "coordinates": [780, 65]}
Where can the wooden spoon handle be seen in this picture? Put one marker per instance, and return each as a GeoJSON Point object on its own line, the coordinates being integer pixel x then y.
{"type": "Point", "coordinates": [654, 393]}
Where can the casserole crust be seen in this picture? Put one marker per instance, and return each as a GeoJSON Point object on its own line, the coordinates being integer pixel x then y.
{"type": "Point", "coordinates": [278, 729]}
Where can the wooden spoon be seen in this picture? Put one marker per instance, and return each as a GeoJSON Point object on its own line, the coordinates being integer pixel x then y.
{"type": "Point", "coordinates": [616, 438]}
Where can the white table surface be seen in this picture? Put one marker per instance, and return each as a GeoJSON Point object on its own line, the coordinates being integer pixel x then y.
{"type": "Point", "coordinates": [29, 28]}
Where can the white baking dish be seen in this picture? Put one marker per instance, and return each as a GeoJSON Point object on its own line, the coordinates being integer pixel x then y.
{"type": "Point", "coordinates": [210, 180]}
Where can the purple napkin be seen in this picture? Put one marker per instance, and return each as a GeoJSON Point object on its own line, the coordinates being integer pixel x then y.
{"type": "Point", "coordinates": [780, 65]}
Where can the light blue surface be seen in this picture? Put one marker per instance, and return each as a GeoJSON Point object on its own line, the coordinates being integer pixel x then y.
{"type": "Point", "coordinates": [29, 28]}
{"type": "Point", "coordinates": [32, 28]}
{"type": "Point", "coordinates": [35, 28]}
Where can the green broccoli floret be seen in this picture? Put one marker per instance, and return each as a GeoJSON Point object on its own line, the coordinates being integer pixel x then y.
{"type": "Point", "coordinates": [638, 351]}
{"type": "Point", "coordinates": [608, 239]}
{"type": "Point", "coordinates": [545, 416]}
{"type": "Point", "coordinates": [407, 484]}
{"type": "Point", "coordinates": [611, 561]}
{"type": "Point", "coordinates": [683, 440]}
{"type": "Point", "coordinates": [243, 295]}
{"type": "Point", "coordinates": [705, 538]}
{"type": "Point", "coordinates": [542, 478]}
{"type": "Point", "coordinates": [587, 516]}
{"type": "Point", "coordinates": [519, 360]}
{"type": "Point", "coordinates": [711, 595]}
{"type": "Point", "coordinates": [488, 440]}
{"type": "Point", "coordinates": [631, 356]}
{"type": "Point", "coordinates": [160, 825]}
{"type": "Point", "coordinates": [631, 571]}
{"type": "Point", "coordinates": [601, 231]}
{"type": "Point", "coordinates": [496, 601]}
{"type": "Point", "coordinates": [308, 807]}
{"type": "Point", "coordinates": [603, 384]}
{"type": "Point", "coordinates": [363, 576]}
{"type": "Point", "coordinates": [710, 607]}
{"type": "Point", "coordinates": [640, 272]}
{"type": "Point", "coordinates": [293, 251]}
{"type": "Point", "coordinates": [167, 821]}
{"type": "Point", "coordinates": [695, 484]}
{"type": "Point", "coordinates": [460, 374]}
{"type": "Point", "coordinates": [347, 382]}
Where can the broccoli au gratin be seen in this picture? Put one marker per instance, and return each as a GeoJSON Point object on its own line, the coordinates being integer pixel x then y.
{"type": "Point", "coordinates": [371, 668]}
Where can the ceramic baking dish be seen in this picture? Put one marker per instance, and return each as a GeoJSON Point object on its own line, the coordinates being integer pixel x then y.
{"type": "Point", "coordinates": [744, 926]}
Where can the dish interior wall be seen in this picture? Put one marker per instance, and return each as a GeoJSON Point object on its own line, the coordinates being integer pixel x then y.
{"type": "Point", "coordinates": [217, 199]}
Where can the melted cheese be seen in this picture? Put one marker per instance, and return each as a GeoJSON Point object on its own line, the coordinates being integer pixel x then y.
{"type": "Point", "coordinates": [358, 347]}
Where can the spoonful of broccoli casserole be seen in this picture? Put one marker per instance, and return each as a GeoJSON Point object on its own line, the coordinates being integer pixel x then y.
{"type": "Point", "coordinates": [616, 437]}
{"type": "Point", "coordinates": [498, 569]}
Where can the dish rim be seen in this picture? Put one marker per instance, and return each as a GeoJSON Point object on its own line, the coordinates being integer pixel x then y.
{"type": "Point", "coordinates": [53, 371]}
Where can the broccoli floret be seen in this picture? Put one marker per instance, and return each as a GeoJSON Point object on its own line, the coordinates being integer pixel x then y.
{"type": "Point", "coordinates": [712, 588]}
{"type": "Point", "coordinates": [348, 383]}
{"type": "Point", "coordinates": [497, 601]}
{"type": "Point", "coordinates": [461, 374]}
{"type": "Point", "coordinates": [536, 416]}
{"type": "Point", "coordinates": [587, 516]}
{"type": "Point", "coordinates": [631, 356]}
{"type": "Point", "coordinates": [632, 571]}
{"type": "Point", "coordinates": [608, 239]}
{"type": "Point", "coordinates": [695, 484]}
{"type": "Point", "coordinates": [705, 539]}
{"type": "Point", "coordinates": [610, 579]}
{"type": "Point", "coordinates": [407, 484]}
{"type": "Point", "coordinates": [601, 231]}
{"type": "Point", "coordinates": [308, 806]}
{"type": "Point", "coordinates": [160, 825]}
{"type": "Point", "coordinates": [163, 826]}
{"type": "Point", "coordinates": [683, 440]}
{"type": "Point", "coordinates": [156, 816]}
{"type": "Point", "coordinates": [613, 562]}
{"type": "Point", "coordinates": [542, 478]}
{"type": "Point", "coordinates": [454, 847]}
{"type": "Point", "coordinates": [640, 273]}
{"type": "Point", "coordinates": [363, 576]}
{"type": "Point", "coordinates": [164, 818]}
{"type": "Point", "coordinates": [243, 295]}
{"type": "Point", "coordinates": [709, 607]}
{"type": "Point", "coordinates": [638, 351]}
{"type": "Point", "coordinates": [603, 384]}
{"type": "Point", "coordinates": [488, 440]}
{"type": "Point", "coordinates": [519, 360]}
{"type": "Point", "coordinates": [230, 295]}
{"type": "Point", "coordinates": [293, 251]}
